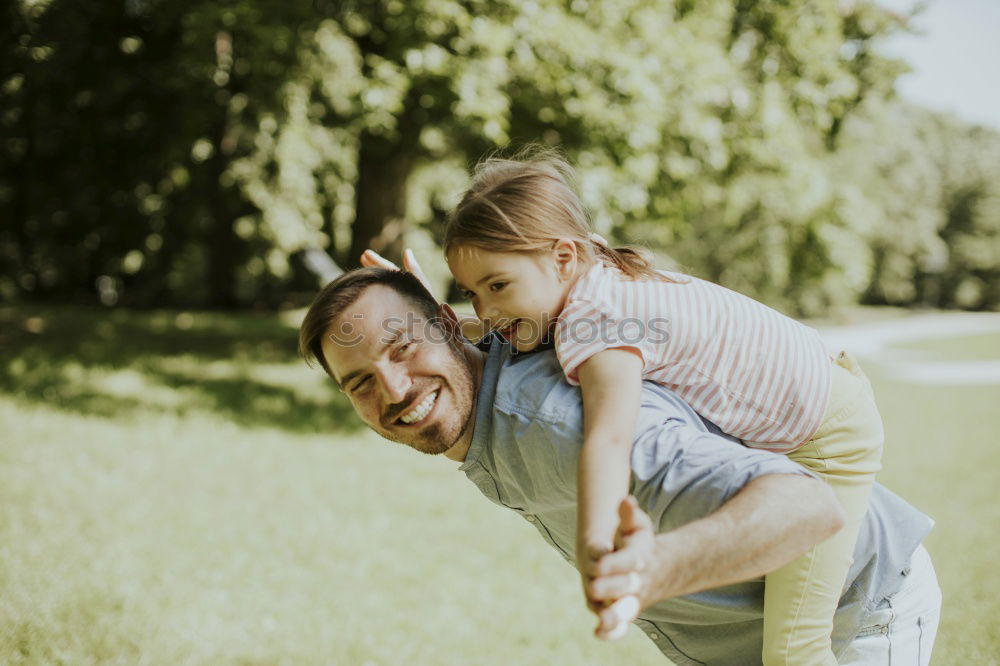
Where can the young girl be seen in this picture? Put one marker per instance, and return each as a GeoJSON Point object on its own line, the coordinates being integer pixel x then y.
{"type": "Point", "coordinates": [519, 246]}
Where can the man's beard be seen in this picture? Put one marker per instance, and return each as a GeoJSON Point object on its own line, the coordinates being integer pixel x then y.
{"type": "Point", "coordinates": [436, 438]}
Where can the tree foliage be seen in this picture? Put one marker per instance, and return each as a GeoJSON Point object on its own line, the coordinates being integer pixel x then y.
{"type": "Point", "coordinates": [120, 123]}
{"type": "Point", "coordinates": [184, 152]}
{"type": "Point", "coordinates": [928, 189]}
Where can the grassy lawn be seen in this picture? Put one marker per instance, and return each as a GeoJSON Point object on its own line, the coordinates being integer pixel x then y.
{"type": "Point", "coordinates": [979, 347]}
{"type": "Point", "coordinates": [181, 489]}
{"type": "Point", "coordinates": [940, 456]}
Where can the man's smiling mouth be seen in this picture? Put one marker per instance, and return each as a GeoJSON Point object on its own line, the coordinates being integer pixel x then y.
{"type": "Point", "coordinates": [420, 412]}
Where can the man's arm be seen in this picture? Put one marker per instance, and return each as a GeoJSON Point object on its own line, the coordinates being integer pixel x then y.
{"type": "Point", "coordinates": [767, 524]}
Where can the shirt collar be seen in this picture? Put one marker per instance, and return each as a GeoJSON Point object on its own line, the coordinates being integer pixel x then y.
{"type": "Point", "coordinates": [497, 352]}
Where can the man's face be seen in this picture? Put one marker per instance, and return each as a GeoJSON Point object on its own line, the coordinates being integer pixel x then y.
{"type": "Point", "coordinates": [406, 377]}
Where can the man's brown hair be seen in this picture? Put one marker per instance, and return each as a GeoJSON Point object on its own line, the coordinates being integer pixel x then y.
{"type": "Point", "coordinates": [340, 294]}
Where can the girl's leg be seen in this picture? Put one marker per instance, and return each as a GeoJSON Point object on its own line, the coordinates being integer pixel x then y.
{"type": "Point", "coordinates": [801, 597]}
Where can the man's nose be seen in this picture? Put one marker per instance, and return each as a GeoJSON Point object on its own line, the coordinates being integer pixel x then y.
{"type": "Point", "coordinates": [394, 382]}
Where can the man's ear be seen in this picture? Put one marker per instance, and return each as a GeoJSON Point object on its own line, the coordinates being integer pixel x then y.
{"type": "Point", "coordinates": [565, 255]}
{"type": "Point", "coordinates": [450, 323]}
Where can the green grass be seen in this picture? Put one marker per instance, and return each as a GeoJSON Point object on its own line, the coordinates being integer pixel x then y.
{"type": "Point", "coordinates": [980, 347]}
{"type": "Point", "coordinates": [181, 489]}
{"type": "Point", "coordinates": [194, 494]}
{"type": "Point", "coordinates": [941, 456]}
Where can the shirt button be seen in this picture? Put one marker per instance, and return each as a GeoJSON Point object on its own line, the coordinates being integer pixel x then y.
{"type": "Point", "coordinates": [530, 519]}
{"type": "Point", "coordinates": [655, 636]}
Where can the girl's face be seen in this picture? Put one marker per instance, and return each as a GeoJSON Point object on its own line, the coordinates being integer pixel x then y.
{"type": "Point", "coordinates": [518, 294]}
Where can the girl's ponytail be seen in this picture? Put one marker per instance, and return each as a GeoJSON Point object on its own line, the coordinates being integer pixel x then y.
{"type": "Point", "coordinates": [633, 261]}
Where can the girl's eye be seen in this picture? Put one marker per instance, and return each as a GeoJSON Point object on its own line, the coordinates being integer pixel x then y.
{"type": "Point", "coordinates": [497, 286]}
{"type": "Point", "coordinates": [467, 294]}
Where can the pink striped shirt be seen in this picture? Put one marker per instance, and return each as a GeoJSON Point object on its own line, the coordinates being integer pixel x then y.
{"type": "Point", "coordinates": [755, 373]}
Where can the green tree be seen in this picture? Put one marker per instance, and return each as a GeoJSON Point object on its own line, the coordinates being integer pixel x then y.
{"type": "Point", "coordinates": [184, 152]}
{"type": "Point", "coordinates": [121, 121]}
{"type": "Point", "coordinates": [701, 129]}
{"type": "Point", "coordinates": [928, 189]}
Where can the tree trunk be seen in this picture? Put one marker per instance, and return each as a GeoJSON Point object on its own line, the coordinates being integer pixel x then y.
{"type": "Point", "coordinates": [223, 253]}
{"type": "Point", "coordinates": [383, 169]}
{"type": "Point", "coordinates": [222, 243]}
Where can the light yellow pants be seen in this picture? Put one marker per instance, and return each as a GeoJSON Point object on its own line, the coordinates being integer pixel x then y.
{"type": "Point", "coordinates": [846, 451]}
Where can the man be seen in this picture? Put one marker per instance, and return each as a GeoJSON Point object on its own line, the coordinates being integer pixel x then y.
{"type": "Point", "coordinates": [709, 518]}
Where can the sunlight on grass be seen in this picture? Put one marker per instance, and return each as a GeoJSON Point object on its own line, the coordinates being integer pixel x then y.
{"type": "Point", "coordinates": [192, 540]}
{"type": "Point", "coordinates": [940, 455]}
{"type": "Point", "coordinates": [983, 347]}
{"type": "Point", "coordinates": [165, 503]}
{"type": "Point", "coordinates": [183, 490]}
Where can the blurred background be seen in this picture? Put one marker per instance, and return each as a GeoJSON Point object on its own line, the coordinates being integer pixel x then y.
{"type": "Point", "coordinates": [188, 153]}
{"type": "Point", "coordinates": [177, 179]}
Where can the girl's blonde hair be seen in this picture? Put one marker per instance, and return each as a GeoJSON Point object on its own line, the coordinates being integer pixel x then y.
{"type": "Point", "coordinates": [524, 204]}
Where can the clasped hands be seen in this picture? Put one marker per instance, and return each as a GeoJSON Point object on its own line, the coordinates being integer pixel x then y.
{"type": "Point", "coordinates": [618, 583]}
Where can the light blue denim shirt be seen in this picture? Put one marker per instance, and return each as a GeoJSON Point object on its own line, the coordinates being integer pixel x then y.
{"type": "Point", "coordinates": [523, 456]}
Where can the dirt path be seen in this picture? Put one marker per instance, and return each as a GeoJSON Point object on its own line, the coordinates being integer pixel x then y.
{"type": "Point", "coordinates": [874, 343]}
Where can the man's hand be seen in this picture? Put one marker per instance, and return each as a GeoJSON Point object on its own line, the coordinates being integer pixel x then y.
{"type": "Point", "coordinates": [767, 524]}
{"type": "Point", "coordinates": [372, 258]}
{"type": "Point", "coordinates": [471, 327]}
{"type": "Point", "coordinates": [617, 583]}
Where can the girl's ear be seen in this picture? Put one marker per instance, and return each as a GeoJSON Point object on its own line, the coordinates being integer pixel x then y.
{"type": "Point", "coordinates": [566, 256]}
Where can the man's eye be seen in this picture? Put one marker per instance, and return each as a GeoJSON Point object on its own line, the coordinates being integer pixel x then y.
{"type": "Point", "coordinates": [497, 286]}
{"type": "Point", "coordinates": [361, 385]}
